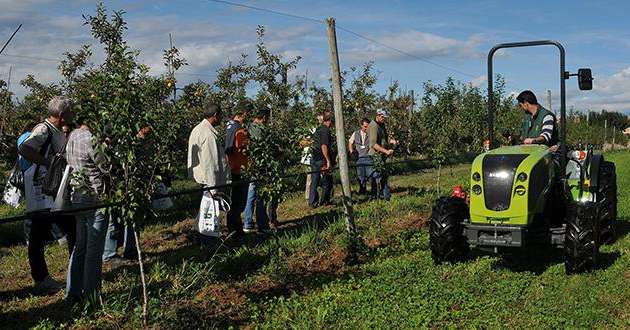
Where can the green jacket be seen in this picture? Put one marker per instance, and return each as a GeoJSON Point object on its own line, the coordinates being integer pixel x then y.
{"type": "Point", "coordinates": [377, 134]}
{"type": "Point", "coordinates": [543, 123]}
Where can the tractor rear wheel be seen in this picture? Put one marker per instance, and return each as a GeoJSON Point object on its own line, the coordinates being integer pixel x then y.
{"type": "Point", "coordinates": [580, 241]}
{"type": "Point", "coordinates": [446, 231]}
{"type": "Point", "coordinates": [606, 199]}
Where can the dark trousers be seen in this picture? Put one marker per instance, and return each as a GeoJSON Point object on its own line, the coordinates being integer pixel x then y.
{"type": "Point", "coordinates": [39, 234]}
{"type": "Point", "coordinates": [326, 180]}
{"type": "Point", "coordinates": [239, 198]}
{"type": "Point", "coordinates": [380, 183]}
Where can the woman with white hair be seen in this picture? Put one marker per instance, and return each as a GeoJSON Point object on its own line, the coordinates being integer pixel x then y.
{"type": "Point", "coordinates": [47, 139]}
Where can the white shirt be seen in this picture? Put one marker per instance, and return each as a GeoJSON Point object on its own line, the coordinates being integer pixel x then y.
{"type": "Point", "coordinates": [207, 163]}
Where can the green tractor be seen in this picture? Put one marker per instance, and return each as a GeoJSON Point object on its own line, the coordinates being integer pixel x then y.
{"type": "Point", "coordinates": [528, 194]}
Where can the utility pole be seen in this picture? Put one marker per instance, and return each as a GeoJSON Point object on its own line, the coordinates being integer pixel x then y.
{"type": "Point", "coordinates": [413, 103]}
{"type": "Point", "coordinates": [549, 101]}
{"type": "Point", "coordinates": [341, 137]}
{"type": "Point", "coordinates": [605, 129]}
{"type": "Point", "coordinates": [170, 68]}
{"type": "Point", "coordinates": [4, 116]}
{"type": "Point", "coordinates": [8, 103]}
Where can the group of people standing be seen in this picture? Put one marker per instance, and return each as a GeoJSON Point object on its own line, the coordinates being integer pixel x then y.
{"type": "Point", "coordinates": [214, 161]}
{"type": "Point", "coordinates": [64, 135]}
{"type": "Point", "coordinates": [368, 144]}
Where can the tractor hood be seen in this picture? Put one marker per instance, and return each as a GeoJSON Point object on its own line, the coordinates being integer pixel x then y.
{"type": "Point", "coordinates": [507, 183]}
{"type": "Point", "coordinates": [535, 150]}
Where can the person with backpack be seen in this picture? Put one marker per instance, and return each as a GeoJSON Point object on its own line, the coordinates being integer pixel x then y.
{"type": "Point", "coordinates": [46, 140]}
{"type": "Point", "coordinates": [235, 142]}
{"type": "Point", "coordinates": [22, 166]}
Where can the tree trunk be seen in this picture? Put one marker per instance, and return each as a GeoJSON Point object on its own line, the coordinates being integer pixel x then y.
{"type": "Point", "coordinates": [145, 296]}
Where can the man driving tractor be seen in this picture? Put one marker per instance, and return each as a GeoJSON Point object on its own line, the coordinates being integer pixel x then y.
{"type": "Point", "coordinates": [539, 124]}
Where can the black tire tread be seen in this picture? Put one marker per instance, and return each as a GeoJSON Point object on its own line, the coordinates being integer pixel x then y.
{"type": "Point", "coordinates": [606, 199]}
{"type": "Point", "coordinates": [446, 231]}
{"type": "Point", "coordinates": [580, 244]}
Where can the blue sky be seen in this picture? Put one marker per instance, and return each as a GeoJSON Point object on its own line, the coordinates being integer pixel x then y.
{"type": "Point", "coordinates": [456, 34]}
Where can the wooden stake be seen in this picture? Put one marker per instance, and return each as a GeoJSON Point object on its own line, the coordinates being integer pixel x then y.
{"type": "Point", "coordinates": [341, 137]}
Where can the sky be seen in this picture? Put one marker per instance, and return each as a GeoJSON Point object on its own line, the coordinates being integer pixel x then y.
{"type": "Point", "coordinates": [452, 34]}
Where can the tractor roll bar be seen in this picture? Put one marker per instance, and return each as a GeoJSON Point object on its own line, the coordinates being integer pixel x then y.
{"type": "Point", "coordinates": [563, 76]}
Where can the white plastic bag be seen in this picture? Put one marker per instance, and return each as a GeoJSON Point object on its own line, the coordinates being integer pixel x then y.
{"type": "Point", "coordinates": [209, 218]}
{"type": "Point", "coordinates": [35, 198]}
{"type": "Point", "coordinates": [12, 195]}
{"type": "Point", "coordinates": [162, 203]}
{"type": "Point", "coordinates": [62, 200]}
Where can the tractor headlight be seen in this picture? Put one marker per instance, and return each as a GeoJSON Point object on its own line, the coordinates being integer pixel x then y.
{"type": "Point", "coordinates": [476, 176]}
{"type": "Point", "coordinates": [476, 189]}
{"type": "Point", "coordinates": [522, 177]}
{"type": "Point", "coordinates": [520, 190]}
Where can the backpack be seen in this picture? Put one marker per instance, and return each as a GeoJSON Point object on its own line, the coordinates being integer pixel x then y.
{"type": "Point", "coordinates": [230, 136]}
{"type": "Point", "coordinates": [54, 173]}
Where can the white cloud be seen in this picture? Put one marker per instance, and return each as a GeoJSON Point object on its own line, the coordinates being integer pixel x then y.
{"type": "Point", "coordinates": [206, 46]}
{"type": "Point", "coordinates": [416, 43]}
{"type": "Point", "coordinates": [479, 81]}
{"type": "Point", "coordinates": [611, 93]}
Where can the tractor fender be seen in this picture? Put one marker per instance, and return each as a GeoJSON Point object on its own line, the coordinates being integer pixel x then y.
{"type": "Point", "coordinates": [596, 162]}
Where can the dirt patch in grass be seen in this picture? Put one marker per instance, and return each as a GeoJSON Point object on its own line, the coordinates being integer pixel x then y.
{"type": "Point", "coordinates": [324, 262]}
{"type": "Point", "coordinates": [223, 301]}
{"type": "Point", "coordinates": [410, 221]}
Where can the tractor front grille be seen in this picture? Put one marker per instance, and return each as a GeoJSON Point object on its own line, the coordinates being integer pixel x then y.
{"type": "Point", "coordinates": [498, 177]}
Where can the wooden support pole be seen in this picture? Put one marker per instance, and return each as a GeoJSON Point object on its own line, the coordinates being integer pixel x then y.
{"type": "Point", "coordinates": [341, 137]}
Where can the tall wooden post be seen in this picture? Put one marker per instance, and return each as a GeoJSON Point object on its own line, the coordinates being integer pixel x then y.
{"type": "Point", "coordinates": [170, 68]}
{"type": "Point", "coordinates": [411, 109]}
{"type": "Point", "coordinates": [341, 137]}
{"type": "Point", "coordinates": [605, 129]}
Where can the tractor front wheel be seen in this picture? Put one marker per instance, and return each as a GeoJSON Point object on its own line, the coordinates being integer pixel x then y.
{"type": "Point", "coordinates": [580, 241]}
{"type": "Point", "coordinates": [606, 199]}
{"type": "Point", "coordinates": [446, 230]}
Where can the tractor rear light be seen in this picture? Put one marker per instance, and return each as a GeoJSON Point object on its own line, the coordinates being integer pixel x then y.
{"type": "Point", "coordinates": [522, 177]}
{"type": "Point", "coordinates": [476, 189]}
{"type": "Point", "coordinates": [520, 190]}
{"type": "Point", "coordinates": [476, 176]}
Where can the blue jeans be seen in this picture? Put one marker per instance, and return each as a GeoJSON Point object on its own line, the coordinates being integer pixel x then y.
{"type": "Point", "coordinates": [84, 270]}
{"type": "Point", "coordinates": [257, 204]}
{"type": "Point", "coordinates": [113, 238]}
{"type": "Point", "coordinates": [364, 171]}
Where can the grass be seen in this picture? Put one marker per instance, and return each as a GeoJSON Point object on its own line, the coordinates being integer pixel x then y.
{"type": "Point", "coordinates": [303, 278]}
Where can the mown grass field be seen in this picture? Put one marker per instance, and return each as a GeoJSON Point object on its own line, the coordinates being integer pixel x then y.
{"type": "Point", "coordinates": [301, 278]}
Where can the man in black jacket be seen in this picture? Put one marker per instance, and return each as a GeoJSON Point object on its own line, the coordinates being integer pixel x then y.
{"type": "Point", "coordinates": [323, 160]}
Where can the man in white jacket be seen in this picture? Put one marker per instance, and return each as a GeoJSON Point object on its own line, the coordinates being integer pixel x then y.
{"type": "Point", "coordinates": [207, 163]}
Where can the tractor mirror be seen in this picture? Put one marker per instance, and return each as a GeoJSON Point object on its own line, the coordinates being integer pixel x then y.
{"type": "Point", "coordinates": [585, 79]}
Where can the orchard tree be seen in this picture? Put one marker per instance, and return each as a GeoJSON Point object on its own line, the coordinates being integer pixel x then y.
{"type": "Point", "coordinates": [118, 99]}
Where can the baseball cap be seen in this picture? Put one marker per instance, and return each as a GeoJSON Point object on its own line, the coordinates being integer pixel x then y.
{"type": "Point", "coordinates": [382, 112]}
